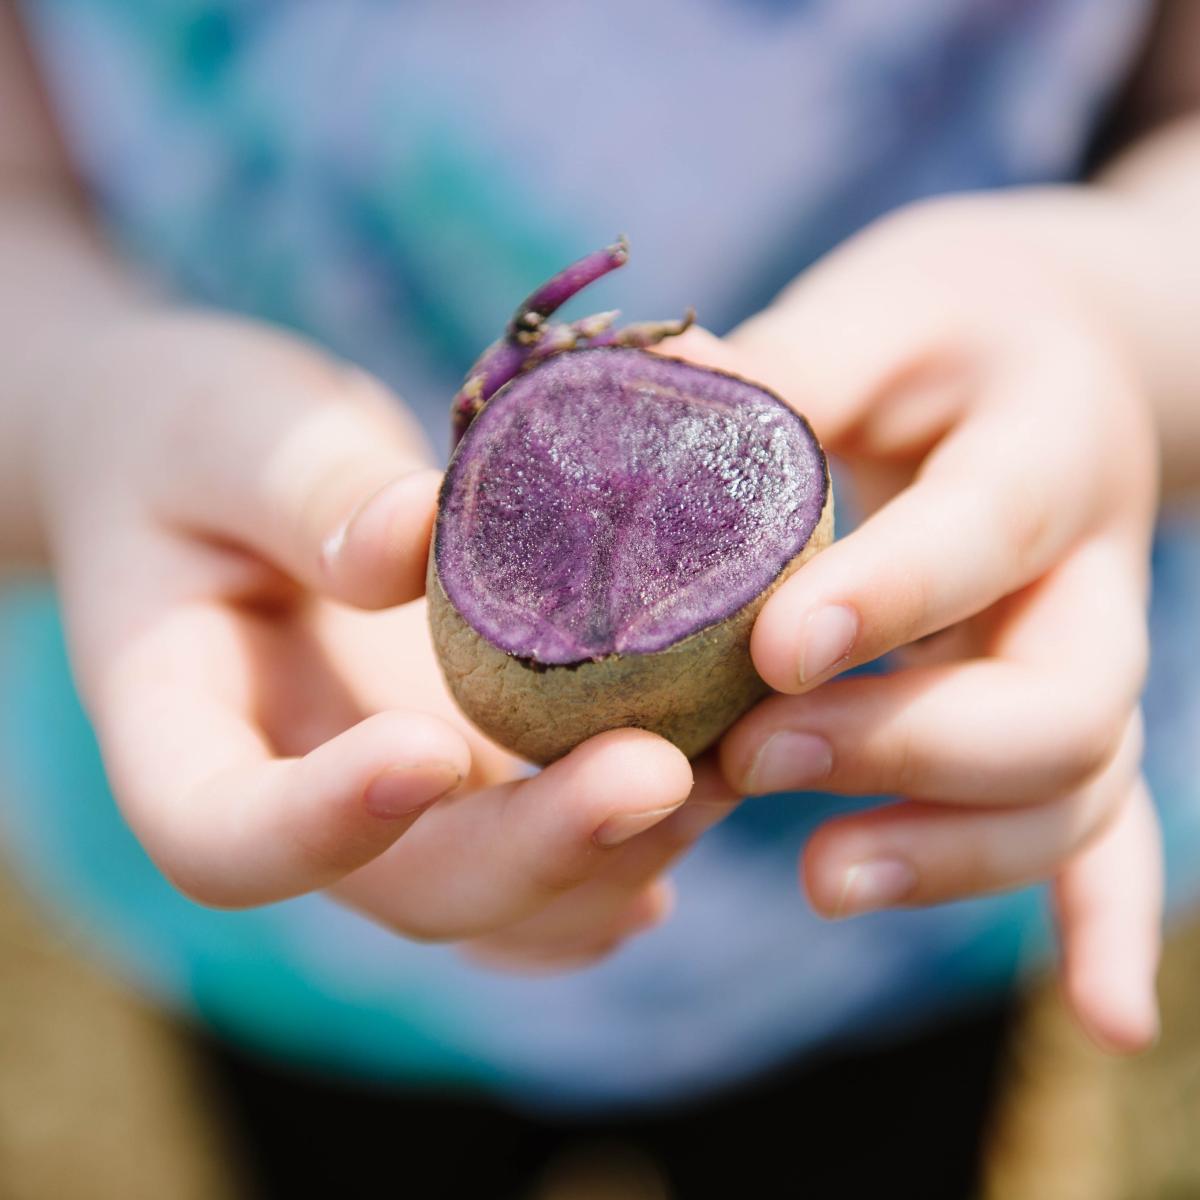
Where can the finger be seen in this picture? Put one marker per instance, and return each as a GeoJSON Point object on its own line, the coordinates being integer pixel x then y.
{"type": "Point", "coordinates": [226, 821]}
{"type": "Point", "coordinates": [872, 364]}
{"type": "Point", "coordinates": [941, 551]}
{"type": "Point", "coordinates": [980, 733]}
{"type": "Point", "coordinates": [1109, 905]}
{"type": "Point", "coordinates": [1027, 726]}
{"type": "Point", "coordinates": [915, 854]}
{"type": "Point", "coordinates": [344, 505]}
{"type": "Point", "coordinates": [697, 345]}
{"type": "Point", "coordinates": [645, 911]}
{"type": "Point", "coordinates": [584, 914]}
{"type": "Point", "coordinates": [484, 861]}
{"type": "Point", "coordinates": [987, 514]}
{"type": "Point", "coordinates": [307, 462]}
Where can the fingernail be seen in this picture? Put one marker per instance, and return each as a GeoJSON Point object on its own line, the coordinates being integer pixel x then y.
{"type": "Point", "coordinates": [789, 760]}
{"type": "Point", "coordinates": [828, 638]}
{"type": "Point", "coordinates": [871, 885]}
{"type": "Point", "coordinates": [403, 791]}
{"type": "Point", "coordinates": [623, 826]}
{"type": "Point", "coordinates": [331, 547]}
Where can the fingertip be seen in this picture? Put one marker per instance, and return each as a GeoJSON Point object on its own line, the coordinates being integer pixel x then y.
{"type": "Point", "coordinates": [621, 783]}
{"type": "Point", "coordinates": [416, 745]}
{"type": "Point", "coordinates": [821, 873]}
{"type": "Point", "coordinates": [743, 752]}
{"type": "Point", "coordinates": [1113, 995]}
{"type": "Point", "coordinates": [378, 556]}
{"type": "Point", "coordinates": [847, 870]}
{"type": "Point", "coordinates": [404, 792]}
{"type": "Point", "coordinates": [1110, 914]}
{"type": "Point", "coordinates": [1123, 1020]}
{"type": "Point", "coordinates": [646, 764]}
{"type": "Point", "coordinates": [650, 909]}
{"type": "Point", "coordinates": [773, 645]}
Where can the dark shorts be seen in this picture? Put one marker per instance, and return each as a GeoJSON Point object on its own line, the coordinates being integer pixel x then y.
{"type": "Point", "coordinates": [903, 1119]}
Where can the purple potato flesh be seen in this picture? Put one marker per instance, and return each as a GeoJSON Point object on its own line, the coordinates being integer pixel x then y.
{"type": "Point", "coordinates": [609, 501]}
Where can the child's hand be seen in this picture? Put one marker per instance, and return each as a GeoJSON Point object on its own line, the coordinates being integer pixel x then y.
{"type": "Point", "coordinates": [209, 488]}
{"type": "Point", "coordinates": [994, 432]}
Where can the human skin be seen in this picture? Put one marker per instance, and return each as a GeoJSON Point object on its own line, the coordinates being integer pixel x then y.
{"type": "Point", "coordinates": [1000, 375]}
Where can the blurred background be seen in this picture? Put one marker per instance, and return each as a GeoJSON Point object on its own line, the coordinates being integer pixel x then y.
{"type": "Point", "coordinates": [387, 179]}
{"type": "Point", "coordinates": [104, 1097]}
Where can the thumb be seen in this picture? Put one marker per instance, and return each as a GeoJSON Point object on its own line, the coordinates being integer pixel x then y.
{"type": "Point", "coordinates": [314, 466]}
{"type": "Point", "coordinates": [345, 504]}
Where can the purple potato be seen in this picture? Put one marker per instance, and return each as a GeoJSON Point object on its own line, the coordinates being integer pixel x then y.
{"type": "Point", "coordinates": [608, 529]}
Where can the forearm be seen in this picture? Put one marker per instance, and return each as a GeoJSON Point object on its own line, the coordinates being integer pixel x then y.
{"type": "Point", "coordinates": [60, 285]}
{"type": "Point", "coordinates": [1159, 178]}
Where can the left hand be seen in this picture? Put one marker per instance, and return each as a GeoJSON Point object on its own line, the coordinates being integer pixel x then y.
{"type": "Point", "coordinates": [998, 440]}
{"type": "Point", "coordinates": [223, 505]}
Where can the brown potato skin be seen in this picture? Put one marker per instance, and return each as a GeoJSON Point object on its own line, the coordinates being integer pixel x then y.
{"type": "Point", "coordinates": [689, 693]}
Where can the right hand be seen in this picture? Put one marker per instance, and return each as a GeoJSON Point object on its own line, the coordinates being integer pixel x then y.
{"type": "Point", "coordinates": [219, 501]}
